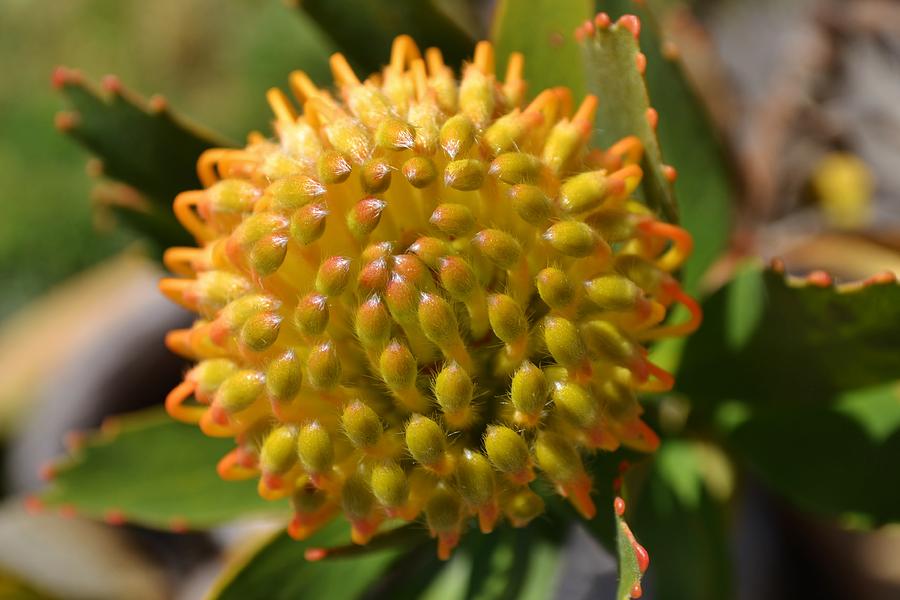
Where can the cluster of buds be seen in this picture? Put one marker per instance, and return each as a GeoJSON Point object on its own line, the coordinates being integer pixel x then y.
{"type": "Point", "coordinates": [420, 296]}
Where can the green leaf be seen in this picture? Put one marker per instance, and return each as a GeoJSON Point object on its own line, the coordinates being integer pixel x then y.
{"type": "Point", "coordinates": [604, 469]}
{"type": "Point", "coordinates": [279, 569]}
{"type": "Point", "coordinates": [543, 31]}
{"type": "Point", "coordinates": [681, 516]}
{"type": "Point", "coordinates": [835, 460]}
{"type": "Point", "coordinates": [364, 30]}
{"type": "Point", "coordinates": [705, 185]}
{"type": "Point", "coordinates": [141, 144]}
{"type": "Point", "coordinates": [627, 549]}
{"type": "Point", "coordinates": [153, 471]}
{"type": "Point", "coordinates": [611, 55]}
{"type": "Point", "coordinates": [775, 340]}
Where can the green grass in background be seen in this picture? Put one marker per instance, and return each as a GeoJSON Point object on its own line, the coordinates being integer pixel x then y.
{"type": "Point", "coordinates": [213, 60]}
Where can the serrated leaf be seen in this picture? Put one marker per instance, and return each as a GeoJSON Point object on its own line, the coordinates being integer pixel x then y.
{"type": "Point", "coordinates": [681, 515]}
{"type": "Point", "coordinates": [630, 568]}
{"type": "Point", "coordinates": [153, 471]}
{"type": "Point", "coordinates": [142, 144]}
{"type": "Point", "coordinates": [279, 569]}
{"type": "Point", "coordinates": [806, 343]}
{"type": "Point", "coordinates": [835, 460]}
{"type": "Point", "coordinates": [364, 30]}
{"type": "Point", "coordinates": [543, 31]}
{"type": "Point", "coordinates": [611, 56]}
{"type": "Point", "coordinates": [705, 185]}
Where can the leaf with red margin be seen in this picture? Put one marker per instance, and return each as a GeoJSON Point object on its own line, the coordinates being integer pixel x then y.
{"type": "Point", "coordinates": [633, 558]}
{"type": "Point", "coordinates": [543, 31]}
{"type": "Point", "coordinates": [142, 144]}
{"type": "Point", "coordinates": [147, 469]}
{"type": "Point", "coordinates": [775, 340]}
{"type": "Point", "coordinates": [613, 60]}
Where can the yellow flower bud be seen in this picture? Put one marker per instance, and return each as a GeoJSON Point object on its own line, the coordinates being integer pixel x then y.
{"type": "Point", "coordinates": [508, 453]}
{"type": "Point", "coordinates": [465, 175]}
{"type": "Point", "coordinates": [427, 444]}
{"type": "Point", "coordinates": [453, 389]}
{"type": "Point", "coordinates": [583, 192]}
{"type": "Point", "coordinates": [315, 448]}
{"type": "Point", "coordinates": [361, 425]}
{"type": "Point", "coordinates": [498, 246]}
{"type": "Point", "coordinates": [528, 393]}
{"type": "Point", "coordinates": [333, 167]}
{"type": "Point", "coordinates": [507, 318]}
{"type": "Point", "coordinates": [530, 203]}
{"type": "Point", "coordinates": [575, 404]}
{"type": "Point", "coordinates": [333, 275]}
{"type": "Point", "coordinates": [419, 171]}
{"type": "Point", "coordinates": [240, 390]}
{"type": "Point", "coordinates": [375, 176]}
{"type": "Point", "coordinates": [554, 288]}
{"type": "Point", "coordinates": [516, 167]}
{"type": "Point", "coordinates": [311, 315]}
{"type": "Point", "coordinates": [453, 219]}
{"type": "Point", "coordinates": [279, 450]}
{"type": "Point", "coordinates": [613, 292]}
{"type": "Point", "coordinates": [284, 377]}
{"type": "Point", "coordinates": [573, 238]}
{"type": "Point", "coordinates": [389, 484]}
{"type": "Point", "coordinates": [563, 341]}
{"type": "Point", "coordinates": [323, 366]}
{"type": "Point", "coordinates": [521, 506]}
{"type": "Point", "coordinates": [457, 136]}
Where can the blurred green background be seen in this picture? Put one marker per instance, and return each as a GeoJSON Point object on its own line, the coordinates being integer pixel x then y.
{"type": "Point", "coordinates": [212, 60]}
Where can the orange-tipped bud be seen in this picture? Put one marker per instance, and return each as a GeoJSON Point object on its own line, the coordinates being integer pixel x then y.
{"type": "Point", "coordinates": [419, 171]}
{"type": "Point", "coordinates": [361, 425]}
{"type": "Point", "coordinates": [465, 175]}
{"type": "Point", "coordinates": [530, 203]}
{"type": "Point", "coordinates": [453, 389]}
{"type": "Point", "coordinates": [427, 444]}
{"type": "Point", "coordinates": [508, 453]}
{"type": "Point", "coordinates": [498, 246]}
{"type": "Point", "coordinates": [453, 219]}
{"type": "Point", "coordinates": [333, 275]}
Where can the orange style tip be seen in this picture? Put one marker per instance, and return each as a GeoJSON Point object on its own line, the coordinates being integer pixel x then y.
{"type": "Point", "coordinates": [641, 62]}
{"type": "Point", "coordinates": [523, 477]}
{"type": "Point", "coordinates": [819, 279]}
{"type": "Point", "coordinates": [602, 20]}
{"type": "Point", "coordinates": [114, 517]}
{"type": "Point", "coordinates": [446, 543]}
{"type": "Point", "coordinates": [637, 435]}
{"type": "Point", "coordinates": [47, 471]}
{"type": "Point", "coordinates": [110, 426]}
{"type": "Point", "coordinates": [487, 517]}
{"type": "Point", "coordinates": [178, 525]}
{"type": "Point", "coordinates": [619, 506]}
{"type": "Point", "coordinates": [111, 84]}
{"type": "Point", "coordinates": [669, 173]}
{"type": "Point", "coordinates": [33, 505]}
{"type": "Point", "coordinates": [361, 532]}
{"type": "Point", "coordinates": [315, 554]}
{"type": "Point", "coordinates": [74, 440]}
{"type": "Point", "coordinates": [652, 117]}
{"type": "Point", "coordinates": [66, 120]}
{"type": "Point", "coordinates": [298, 530]}
{"type": "Point", "coordinates": [579, 495]}
{"type": "Point", "coordinates": [777, 265]}
{"type": "Point", "coordinates": [60, 77]}
{"type": "Point", "coordinates": [601, 439]}
{"type": "Point", "coordinates": [631, 23]}
{"type": "Point", "coordinates": [157, 104]}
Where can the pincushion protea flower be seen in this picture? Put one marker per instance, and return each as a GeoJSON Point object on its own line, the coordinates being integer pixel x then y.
{"type": "Point", "coordinates": [420, 295]}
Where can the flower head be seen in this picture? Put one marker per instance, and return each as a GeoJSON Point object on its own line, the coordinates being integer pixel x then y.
{"type": "Point", "coordinates": [421, 296]}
